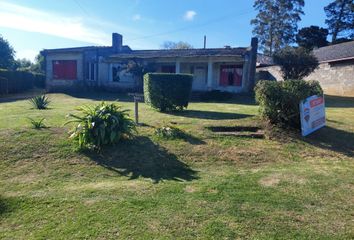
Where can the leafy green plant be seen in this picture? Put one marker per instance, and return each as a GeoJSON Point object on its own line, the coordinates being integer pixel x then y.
{"type": "Point", "coordinates": [169, 132]}
{"type": "Point", "coordinates": [37, 124]}
{"type": "Point", "coordinates": [279, 101]}
{"type": "Point", "coordinates": [167, 92]}
{"type": "Point", "coordinates": [40, 102]}
{"type": "Point", "coordinates": [103, 124]}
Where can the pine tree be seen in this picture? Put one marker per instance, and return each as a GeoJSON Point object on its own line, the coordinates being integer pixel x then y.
{"type": "Point", "coordinates": [276, 23]}
{"type": "Point", "coordinates": [312, 37]}
{"type": "Point", "coordinates": [340, 18]}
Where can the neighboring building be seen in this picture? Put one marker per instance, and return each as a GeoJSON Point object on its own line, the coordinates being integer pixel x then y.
{"type": "Point", "coordinates": [226, 69]}
{"type": "Point", "coordinates": [335, 72]}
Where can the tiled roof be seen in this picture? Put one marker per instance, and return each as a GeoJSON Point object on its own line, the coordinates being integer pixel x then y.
{"type": "Point", "coordinates": [214, 52]}
{"type": "Point", "coordinates": [81, 49]}
{"type": "Point", "coordinates": [335, 52]}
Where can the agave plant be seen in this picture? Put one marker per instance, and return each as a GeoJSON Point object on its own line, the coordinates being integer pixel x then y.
{"type": "Point", "coordinates": [103, 124]}
{"type": "Point", "coordinates": [37, 124]}
{"type": "Point", "coordinates": [40, 102]}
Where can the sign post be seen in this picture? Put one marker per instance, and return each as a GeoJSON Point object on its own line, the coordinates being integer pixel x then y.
{"type": "Point", "coordinates": [312, 114]}
{"type": "Point", "coordinates": [137, 98]}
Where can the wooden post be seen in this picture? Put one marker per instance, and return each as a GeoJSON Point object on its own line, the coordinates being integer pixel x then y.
{"type": "Point", "coordinates": [137, 97]}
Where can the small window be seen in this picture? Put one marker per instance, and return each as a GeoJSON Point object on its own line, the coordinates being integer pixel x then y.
{"type": "Point", "coordinates": [65, 69]}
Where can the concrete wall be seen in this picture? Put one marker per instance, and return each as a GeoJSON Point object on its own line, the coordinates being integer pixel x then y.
{"type": "Point", "coordinates": [336, 78]}
{"type": "Point", "coordinates": [61, 84]}
{"type": "Point", "coordinates": [274, 73]}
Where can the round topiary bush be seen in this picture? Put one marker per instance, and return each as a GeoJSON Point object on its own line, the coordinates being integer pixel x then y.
{"type": "Point", "coordinates": [167, 92]}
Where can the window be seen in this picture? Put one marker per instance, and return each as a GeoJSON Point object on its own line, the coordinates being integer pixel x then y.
{"type": "Point", "coordinates": [168, 69]}
{"type": "Point", "coordinates": [65, 69]}
{"type": "Point", "coordinates": [90, 71]}
{"type": "Point", "coordinates": [230, 75]}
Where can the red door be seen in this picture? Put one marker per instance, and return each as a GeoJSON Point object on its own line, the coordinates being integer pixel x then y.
{"type": "Point", "coordinates": [230, 75]}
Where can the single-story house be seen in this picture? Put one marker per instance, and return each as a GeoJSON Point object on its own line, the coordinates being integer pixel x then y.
{"type": "Point", "coordinates": [226, 69]}
{"type": "Point", "coordinates": [335, 72]}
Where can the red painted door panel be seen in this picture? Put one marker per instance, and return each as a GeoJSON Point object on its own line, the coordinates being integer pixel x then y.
{"type": "Point", "coordinates": [230, 75]}
{"type": "Point", "coordinates": [65, 69]}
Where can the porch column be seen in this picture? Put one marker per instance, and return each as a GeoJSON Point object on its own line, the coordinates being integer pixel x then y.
{"type": "Point", "coordinates": [178, 66]}
{"type": "Point", "coordinates": [210, 74]}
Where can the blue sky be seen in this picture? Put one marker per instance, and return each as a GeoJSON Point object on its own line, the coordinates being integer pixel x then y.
{"type": "Point", "coordinates": [32, 25]}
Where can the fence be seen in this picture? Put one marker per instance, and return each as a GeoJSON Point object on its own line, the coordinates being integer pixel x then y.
{"type": "Point", "coordinates": [19, 81]}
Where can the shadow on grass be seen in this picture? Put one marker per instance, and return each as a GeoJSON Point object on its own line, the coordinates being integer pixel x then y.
{"type": "Point", "coordinates": [4, 206]}
{"type": "Point", "coordinates": [140, 157]}
{"type": "Point", "coordinates": [340, 102]}
{"type": "Point", "coordinates": [333, 139]}
{"type": "Point", "coordinates": [102, 96]}
{"type": "Point", "coordinates": [211, 115]}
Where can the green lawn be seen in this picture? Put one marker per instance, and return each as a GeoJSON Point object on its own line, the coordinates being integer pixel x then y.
{"type": "Point", "coordinates": [205, 187]}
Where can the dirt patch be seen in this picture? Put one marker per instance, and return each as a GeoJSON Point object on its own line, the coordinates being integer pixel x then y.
{"type": "Point", "coordinates": [270, 181]}
{"type": "Point", "coordinates": [190, 189]}
{"type": "Point", "coordinates": [238, 131]}
{"type": "Point", "coordinates": [274, 179]}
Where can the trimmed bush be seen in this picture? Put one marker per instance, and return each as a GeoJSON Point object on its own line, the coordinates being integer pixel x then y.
{"type": "Point", "coordinates": [279, 101]}
{"type": "Point", "coordinates": [167, 92]}
{"type": "Point", "coordinates": [19, 81]}
{"type": "Point", "coordinates": [100, 125]}
{"type": "Point", "coordinates": [295, 62]}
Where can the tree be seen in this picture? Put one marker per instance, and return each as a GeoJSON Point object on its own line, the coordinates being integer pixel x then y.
{"type": "Point", "coordinates": [23, 64]}
{"type": "Point", "coordinates": [7, 54]}
{"type": "Point", "coordinates": [39, 64]}
{"type": "Point", "coordinates": [276, 23]}
{"type": "Point", "coordinates": [311, 37]}
{"type": "Point", "coordinates": [340, 18]}
{"type": "Point", "coordinates": [295, 62]}
{"type": "Point", "coordinates": [176, 45]}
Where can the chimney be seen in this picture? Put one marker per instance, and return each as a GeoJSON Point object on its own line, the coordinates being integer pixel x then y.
{"type": "Point", "coordinates": [205, 41]}
{"type": "Point", "coordinates": [252, 63]}
{"type": "Point", "coordinates": [117, 42]}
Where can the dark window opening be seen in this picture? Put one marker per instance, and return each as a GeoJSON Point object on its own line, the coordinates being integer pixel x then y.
{"type": "Point", "coordinates": [115, 74]}
{"type": "Point", "coordinates": [65, 69]}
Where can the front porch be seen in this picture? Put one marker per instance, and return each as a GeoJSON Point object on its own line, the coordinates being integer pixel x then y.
{"type": "Point", "coordinates": [209, 74]}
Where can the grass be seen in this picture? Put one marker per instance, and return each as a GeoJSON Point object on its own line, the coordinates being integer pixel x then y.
{"type": "Point", "coordinates": [203, 186]}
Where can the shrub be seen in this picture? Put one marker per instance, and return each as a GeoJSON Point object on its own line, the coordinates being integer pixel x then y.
{"type": "Point", "coordinates": [40, 102]}
{"type": "Point", "coordinates": [167, 92]}
{"type": "Point", "coordinates": [169, 132]}
{"type": "Point", "coordinates": [279, 101]}
{"type": "Point", "coordinates": [295, 63]}
{"type": "Point", "coordinates": [215, 95]}
{"type": "Point", "coordinates": [103, 124]}
{"type": "Point", "coordinates": [37, 124]}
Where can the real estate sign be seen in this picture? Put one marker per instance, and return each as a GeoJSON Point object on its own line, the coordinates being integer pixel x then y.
{"type": "Point", "coordinates": [312, 114]}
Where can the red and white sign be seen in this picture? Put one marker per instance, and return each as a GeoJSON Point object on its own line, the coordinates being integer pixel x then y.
{"type": "Point", "coordinates": [312, 114]}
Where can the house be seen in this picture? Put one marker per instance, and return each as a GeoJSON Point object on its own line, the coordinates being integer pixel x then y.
{"type": "Point", "coordinates": [335, 72]}
{"type": "Point", "coordinates": [226, 69]}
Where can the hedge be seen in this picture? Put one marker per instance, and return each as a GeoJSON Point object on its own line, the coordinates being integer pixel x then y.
{"type": "Point", "coordinates": [19, 81]}
{"type": "Point", "coordinates": [167, 92]}
{"type": "Point", "coordinates": [279, 101]}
